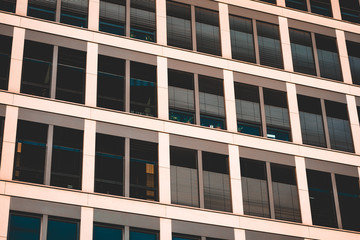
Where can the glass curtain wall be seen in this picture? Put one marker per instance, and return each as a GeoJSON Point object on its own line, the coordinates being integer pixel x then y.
{"type": "Point", "coordinates": [112, 16]}
{"type": "Point", "coordinates": [297, 4]}
{"type": "Point", "coordinates": [74, 12]}
{"type": "Point", "coordinates": [2, 122]}
{"type": "Point", "coordinates": [350, 10]}
{"type": "Point", "coordinates": [24, 226]}
{"type": "Point", "coordinates": [143, 234]}
{"type": "Point", "coordinates": [59, 228]}
{"type": "Point", "coordinates": [353, 50]}
{"type": "Point", "coordinates": [143, 20]}
{"type": "Point", "coordinates": [5, 57]}
{"type": "Point", "coordinates": [322, 7]}
{"type": "Point", "coordinates": [8, 5]}
{"type": "Point", "coordinates": [44, 9]}
{"type": "Point", "coordinates": [107, 231]}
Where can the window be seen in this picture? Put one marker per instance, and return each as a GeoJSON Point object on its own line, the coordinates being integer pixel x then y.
{"type": "Point", "coordinates": [143, 170]}
{"type": "Point", "coordinates": [62, 229]}
{"type": "Point", "coordinates": [7, 5]}
{"type": "Point", "coordinates": [353, 50]}
{"type": "Point", "coordinates": [143, 20]}
{"type": "Point", "coordinates": [106, 231]}
{"type": "Point", "coordinates": [37, 68]}
{"type": "Point", "coordinates": [44, 9]}
{"type": "Point", "coordinates": [2, 122]}
{"type": "Point", "coordinates": [5, 57]}
{"type": "Point", "coordinates": [24, 226]}
{"type": "Point", "coordinates": [29, 164]}
{"type": "Point", "coordinates": [109, 162]}
{"type": "Point", "coordinates": [181, 96]}
{"type": "Point", "coordinates": [322, 7]}
{"type": "Point", "coordinates": [252, 235]}
{"type": "Point", "coordinates": [111, 83]}
{"type": "Point", "coordinates": [112, 16]}
{"type": "Point", "coordinates": [66, 163]}
{"type": "Point", "coordinates": [74, 12]}
{"type": "Point", "coordinates": [350, 10]}
{"type": "Point", "coordinates": [269, 1]}
{"type": "Point", "coordinates": [184, 176]}
{"type": "Point", "coordinates": [297, 4]}
{"type": "Point", "coordinates": [70, 82]}
{"type": "Point", "coordinates": [142, 234]}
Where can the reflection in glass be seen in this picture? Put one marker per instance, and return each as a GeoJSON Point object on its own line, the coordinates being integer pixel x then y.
{"type": "Point", "coordinates": [44, 9]}
{"type": "Point", "coordinates": [353, 50]}
{"type": "Point", "coordinates": [350, 10]}
{"type": "Point", "coordinates": [74, 12]}
{"type": "Point", "coordinates": [322, 7]}
{"type": "Point", "coordinates": [24, 227]}
{"type": "Point", "coordinates": [112, 16]}
{"type": "Point", "coordinates": [143, 20]}
{"type": "Point", "coordinates": [107, 232]}
{"type": "Point", "coordinates": [60, 229]}
{"type": "Point", "coordinates": [5, 56]}
{"type": "Point", "coordinates": [297, 4]}
{"type": "Point", "coordinates": [142, 234]}
{"type": "Point", "coordinates": [8, 5]}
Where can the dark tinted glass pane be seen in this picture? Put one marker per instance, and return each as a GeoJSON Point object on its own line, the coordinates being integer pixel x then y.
{"type": "Point", "coordinates": [216, 181]}
{"type": "Point", "coordinates": [242, 39]}
{"type": "Point", "coordinates": [297, 4]}
{"type": "Point", "coordinates": [184, 176]}
{"type": "Point", "coordinates": [248, 109]}
{"type": "Point", "coordinates": [142, 234]}
{"type": "Point", "coordinates": [66, 165]}
{"type": "Point", "coordinates": [70, 82]}
{"type": "Point", "coordinates": [354, 59]}
{"type": "Point", "coordinates": [339, 126]}
{"type": "Point", "coordinates": [350, 10]}
{"type": "Point", "coordinates": [277, 115]}
{"type": "Point", "coordinates": [212, 109]}
{"type": "Point", "coordinates": [322, 7]}
{"type": "Point", "coordinates": [74, 12]}
{"type": "Point", "coordinates": [269, 44]}
{"type": "Point", "coordinates": [7, 5]}
{"type": "Point", "coordinates": [44, 9]}
{"type": "Point", "coordinates": [24, 227]}
{"type": "Point", "coordinates": [111, 90]}
{"type": "Point", "coordinates": [349, 201]}
{"type": "Point", "coordinates": [321, 198]}
{"type": "Point", "coordinates": [178, 25]}
{"type": "Point", "coordinates": [109, 164]}
{"type": "Point", "coordinates": [254, 187]}
{"type": "Point", "coordinates": [252, 235]}
{"type": "Point", "coordinates": [302, 52]}
{"type": "Point", "coordinates": [207, 31]}
{"type": "Point", "coordinates": [5, 56]}
{"type": "Point", "coordinates": [62, 229]}
{"type": "Point", "coordinates": [112, 16]}
{"type": "Point", "coordinates": [311, 120]}
{"type": "Point", "coordinates": [143, 97]}
{"type": "Point", "coordinates": [2, 121]}
{"type": "Point", "coordinates": [286, 199]}
{"type": "Point", "coordinates": [328, 57]}
{"type": "Point", "coordinates": [30, 152]}
{"type": "Point", "coordinates": [142, 20]}
{"type": "Point", "coordinates": [107, 232]}
{"type": "Point", "coordinates": [184, 237]}
{"type": "Point", "coordinates": [143, 170]}
{"type": "Point", "coordinates": [269, 1]}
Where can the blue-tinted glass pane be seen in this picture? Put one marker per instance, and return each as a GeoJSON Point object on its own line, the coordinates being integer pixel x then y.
{"type": "Point", "coordinates": [24, 227]}
{"type": "Point", "coordinates": [44, 9]}
{"type": "Point", "coordinates": [249, 128]}
{"type": "Point", "coordinates": [112, 16]}
{"type": "Point", "coordinates": [297, 4]}
{"type": "Point", "coordinates": [212, 122]}
{"type": "Point", "coordinates": [7, 5]}
{"type": "Point", "coordinates": [279, 134]}
{"type": "Point", "coordinates": [142, 20]}
{"type": "Point", "coordinates": [74, 12]}
{"type": "Point", "coordinates": [107, 233]}
{"type": "Point", "coordinates": [137, 235]}
{"type": "Point", "coordinates": [322, 7]}
{"type": "Point", "coordinates": [269, 1]}
{"type": "Point", "coordinates": [61, 230]}
{"type": "Point", "coordinates": [181, 116]}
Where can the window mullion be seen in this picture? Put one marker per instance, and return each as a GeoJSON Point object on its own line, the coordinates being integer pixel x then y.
{"type": "Point", "coordinates": [326, 129]}
{"type": "Point", "coordinates": [127, 86]}
{"type": "Point", "coordinates": [44, 226]}
{"type": "Point", "coordinates": [126, 179]}
{"type": "Point", "coordinates": [308, 5]}
{"type": "Point", "coordinates": [316, 58]}
{"type": "Point", "coordinates": [58, 11]}
{"type": "Point", "coordinates": [336, 200]}
{"type": "Point", "coordinates": [127, 19]}
{"type": "Point", "coordinates": [271, 194]}
{"type": "Point", "coordinates": [197, 100]}
{"type": "Point", "coordinates": [54, 72]}
{"type": "Point", "coordinates": [49, 148]}
{"type": "Point", "coordinates": [262, 112]}
{"type": "Point", "coordinates": [193, 27]}
{"type": "Point", "coordinates": [256, 43]}
{"type": "Point", "coordinates": [201, 179]}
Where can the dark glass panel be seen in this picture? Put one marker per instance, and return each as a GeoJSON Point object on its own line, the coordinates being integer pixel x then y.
{"type": "Point", "coordinates": [109, 164]}
{"type": "Point", "coordinates": [2, 122]}
{"type": "Point", "coordinates": [286, 199]}
{"type": "Point", "coordinates": [269, 1]}
{"type": "Point", "coordinates": [111, 84]}
{"type": "Point", "coordinates": [207, 31]}
{"type": "Point", "coordinates": [302, 52]}
{"type": "Point", "coordinates": [277, 115]}
{"type": "Point", "coordinates": [212, 109]}
{"type": "Point", "coordinates": [216, 181]}
{"type": "Point", "coordinates": [107, 232]}
{"type": "Point", "coordinates": [339, 126]}
{"type": "Point", "coordinates": [142, 234]}
{"type": "Point", "coordinates": [66, 163]}
{"type": "Point", "coordinates": [181, 96]}
{"type": "Point", "coordinates": [74, 12]}
{"type": "Point", "coordinates": [112, 16]}
{"type": "Point", "coordinates": [184, 176]}
{"type": "Point", "coordinates": [60, 229]}
{"type": "Point", "coordinates": [143, 20]}
{"type": "Point", "coordinates": [143, 170]}
{"type": "Point", "coordinates": [248, 109]}
{"type": "Point", "coordinates": [176, 236]}
{"type": "Point", "coordinates": [254, 187]}
{"type": "Point", "coordinates": [24, 227]}
{"type": "Point", "coordinates": [5, 57]}
{"type": "Point", "coordinates": [252, 235]}
{"type": "Point", "coordinates": [353, 50]}
{"type": "Point", "coordinates": [8, 5]}
{"type": "Point", "coordinates": [350, 10]}
{"type": "Point", "coordinates": [30, 152]}
{"type": "Point", "coordinates": [321, 198]}
{"type": "Point", "coordinates": [178, 17]}
{"type": "Point", "coordinates": [349, 201]}
{"type": "Point", "coordinates": [269, 44]}
{"type": "Point", "coordinates": [328, 57]}
{"type": "Point", "coordinates": [322, 7]}
{"type": "Point", "coordinates": [37, 69]}
{"type": "Point", "coordinates": [70, 82]}
{"type": "Point", "coordinates": [242, 39]}
{"type": "Point", "coordinates": [297, 4]}
{"type": "Point", "coordinates": [44, 9]}
{"type": "Point", "coordinates": [143, 97]}
{"type": "Point", "coordinates": [311, 120]}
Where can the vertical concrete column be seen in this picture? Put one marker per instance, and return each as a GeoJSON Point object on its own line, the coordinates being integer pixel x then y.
{"type": "Point", "coordinates": [88, 169]}
{"type": "Point", "coordinates": [303, 190]}
{"type": "Point", "coordinates": [21, 7]}
{"type": "Point", "coordinates": [94, 13]}
{"type": "Point", "coordinates": [235, 180]}
{"type": "Point", "coordinates": [281, 3]}
{"type": "Point", "coordinates": [165, 229]}
{"type": "Point", "coordinates": [285, 44]}
{"type": "Point", "coordinates": [86, 223]}
{"type": "Point", "coordinates": [343, 55]}
{"type": "Point", "coordinates": [335, 7]}
{"type": "Point", "coordinates": [225, 30]}
{"type": "Point", "coordinates": [239, 234]}
{"type": "Point", "coordinates": [91, 74]}
{"type": "Point", "coordinates": [9, 139]}
{"type": "Point", "coordinates": [230, 106]}
{"type": "Point", "coordinates": [162, 88]}
{"type": "Point", "coordinates": [293, 113]}
{"type": "Point", "coordinates": [161, 34]}
{"type": "Point", "coordinates": [16, 61]}
{"type": "Point", "coordinates": [164, 168]}
{"type": "Point", "coordinates": [4, 216]}
{"type": "Point", "coordinates": [354, 122]}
